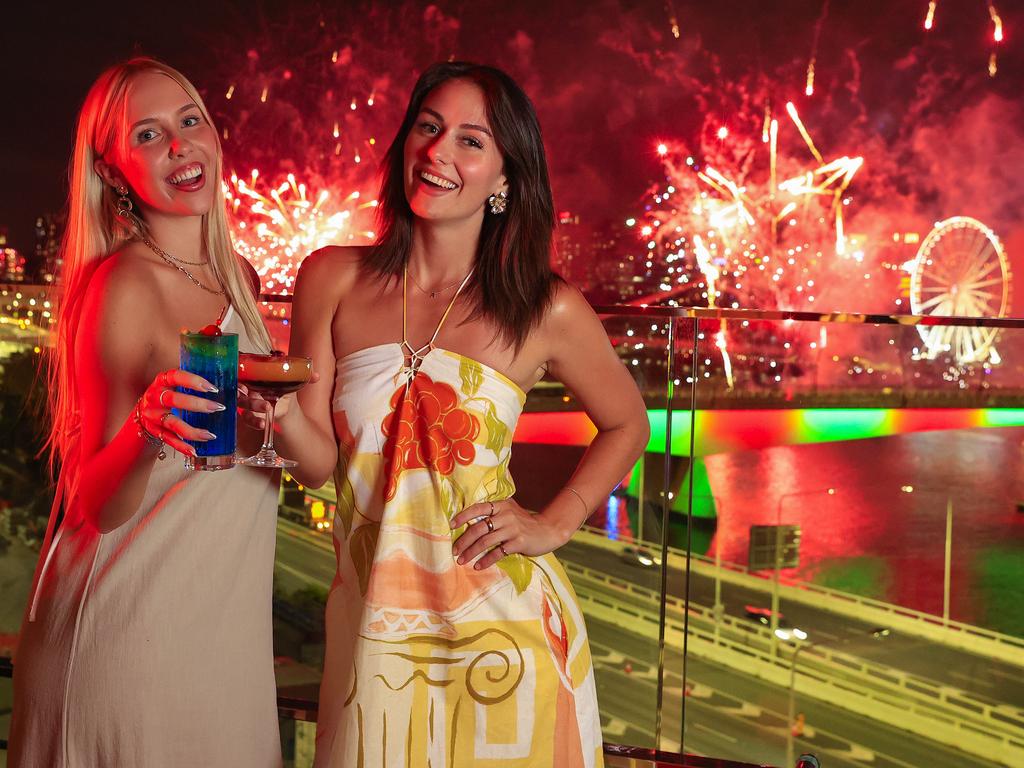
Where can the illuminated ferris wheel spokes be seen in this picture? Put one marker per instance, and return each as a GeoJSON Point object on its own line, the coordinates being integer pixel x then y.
{"type": "Point", "coordinates": [961, 270]}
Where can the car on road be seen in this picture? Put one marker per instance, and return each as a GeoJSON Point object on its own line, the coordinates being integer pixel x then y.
{"type": "Point", "coordinates": [641, 556]}
{"type": "Point", "coordinates": [784, 630]}
{"type": "Point", "coordinates": [308, 507]}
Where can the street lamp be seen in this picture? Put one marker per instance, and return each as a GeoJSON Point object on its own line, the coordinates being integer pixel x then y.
{"type": "Point", "coordinates": [792, 699]}
{"type": "Point", "coordinates": [792, 693]}
{"type": "Point", "coordinates": [774, 618]}
{"type": "Point", "coordinates": [947, 565]}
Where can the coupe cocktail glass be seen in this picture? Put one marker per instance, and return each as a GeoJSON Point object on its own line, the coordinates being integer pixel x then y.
{"type": "Point", "coordinates": [272, 377]}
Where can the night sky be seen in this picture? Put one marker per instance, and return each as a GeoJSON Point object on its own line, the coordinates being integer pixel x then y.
{"type": "Point", "coordinates": [610, 80]}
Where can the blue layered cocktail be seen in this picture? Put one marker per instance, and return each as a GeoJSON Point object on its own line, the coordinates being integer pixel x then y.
{"type": "Point", "coordinates": [214, 356]}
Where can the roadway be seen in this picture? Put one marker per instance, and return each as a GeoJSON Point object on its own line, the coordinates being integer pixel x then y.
{"type": "Point", "coordinates": [731, 715]}
{"type": "Point", "coordinates": [739, 718]}
{"type": "Point", "coordinates": [989, 680]}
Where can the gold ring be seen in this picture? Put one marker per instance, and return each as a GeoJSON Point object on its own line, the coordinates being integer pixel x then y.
{"type": "Point", "coordinates": [502, 548]}
{"type": "Point", "coordinates": [492, 508]}
{"type": "Point", "coordinates": [490, 524]}
{"type": "Point", "coordinates": [161, 398]}
{"type": "Point", "coordinates": [162, 418]}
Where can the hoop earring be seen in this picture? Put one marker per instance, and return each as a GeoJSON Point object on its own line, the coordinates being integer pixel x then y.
{"type": "Point", "coordinates": [498, 202]}
{"type": "Point", "coordinates": [124, 203]}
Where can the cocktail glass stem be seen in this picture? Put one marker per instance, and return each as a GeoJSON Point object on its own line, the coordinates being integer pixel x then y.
{"type": "Point", "coordinates": [267, 456]}
{"type": "Point", "coordinates": [267, 452]}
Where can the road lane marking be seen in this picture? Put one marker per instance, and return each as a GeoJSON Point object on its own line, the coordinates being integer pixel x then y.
{"type": "Point", "coordinates": [301, 575]}
{"type": "Point", "coordinates": [1007, 675]}
{"type": "Point", "coordinates": [725, 736]}
{"type": "Point", "coordinates": [972, 679]}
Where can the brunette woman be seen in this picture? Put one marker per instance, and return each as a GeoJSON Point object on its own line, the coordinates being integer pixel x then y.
{"type": "Point", "coordinates": [454, 637]}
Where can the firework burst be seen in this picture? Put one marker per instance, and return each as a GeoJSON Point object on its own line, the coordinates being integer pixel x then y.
{"type": "Point", "coordinates": [750, 226]}
{"type": "Point", "coordinates": [275, 227]}
{"type": "Point", "coordinates": [755, 242]}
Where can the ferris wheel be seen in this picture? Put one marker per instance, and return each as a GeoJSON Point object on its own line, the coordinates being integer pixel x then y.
{"type": "Point", "coordinates": [960, 270]}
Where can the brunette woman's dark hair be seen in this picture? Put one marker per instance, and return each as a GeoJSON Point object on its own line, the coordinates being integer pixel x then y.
{"type": "Point", "coordinates": [512, 284]}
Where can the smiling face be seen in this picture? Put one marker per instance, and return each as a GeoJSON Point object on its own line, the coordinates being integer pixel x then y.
{"type": "Point", "coordinates": [168, 159]}
{"type": "Point", "coordinates": [452, 163]}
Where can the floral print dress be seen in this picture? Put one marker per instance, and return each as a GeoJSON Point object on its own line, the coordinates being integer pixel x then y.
{"type": "Point", "coordinates": [431, 663]}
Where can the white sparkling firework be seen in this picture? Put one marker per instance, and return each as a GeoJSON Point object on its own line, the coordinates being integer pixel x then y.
{"type": "Point", "coordinates": [275, 228]}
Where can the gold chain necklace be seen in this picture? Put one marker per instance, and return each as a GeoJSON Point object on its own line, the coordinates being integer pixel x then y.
{"type": "Point", "coordinates": [172, 262]}
{"type": "Point", "coordinates": [438, 291]}
{"type": "Point", "coordinates": [160, 251]}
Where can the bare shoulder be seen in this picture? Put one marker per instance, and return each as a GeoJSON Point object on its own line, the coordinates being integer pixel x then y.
{"type": "Point", "coordinates": [121, 285]}
{"type": "Point", "coordinates": [570, 330]}
{"type": "Point", "coordinates": [569, 310]}
{"type": "Point", "coordinates": [335, 266]}
{"type": "Point", "coordinates": [327, 279]}
{"type": "Point", "coordinates": [124, 312]}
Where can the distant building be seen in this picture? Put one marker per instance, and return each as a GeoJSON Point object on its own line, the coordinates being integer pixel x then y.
{"type": "Point", "coordinates": [49, 231]}
{"type": "Point", "coordinates": [615, 271]}
{"type": "Point", "coordinates": [591, 257]}
{"type": "Point", "coordinates": [569, 247]}
{"type": "Point", "coordinates": [12, 263]}
{"type": "Point", "coordinates": [13, 266]}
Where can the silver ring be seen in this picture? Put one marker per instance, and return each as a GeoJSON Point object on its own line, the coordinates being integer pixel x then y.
{"type": "Point", "coordinates": [163, 417]}
{"type": "Point", "coordinates": [502, 548]}
{"type": "Point", "coordinates": [161, 398]}
{"type": "Point", "coordinates": [492, 508]}
{"type": "Point", "coordinates": [490, 524]}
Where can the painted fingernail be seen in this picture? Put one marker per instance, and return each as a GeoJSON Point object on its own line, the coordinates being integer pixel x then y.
{"type": "Point", "coordinates": [208, 435]}
{"type": "Point", "coordinates": [192, 451]}
{"type": "Point", "coordinates": [211, 388]}
{"type": "Point", "coordinates": [477, 567]}
{"type": "Point", "coordinates": [461, 561]}
{"type": "Point", "coordinates": [216, 407]}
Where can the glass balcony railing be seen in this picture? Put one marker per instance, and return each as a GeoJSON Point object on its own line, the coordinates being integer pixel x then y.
{"type": "Point", "coordinates": [820, 551]}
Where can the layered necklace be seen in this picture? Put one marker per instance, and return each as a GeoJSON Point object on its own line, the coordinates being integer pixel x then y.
{"type": "Point", "coordinates": [178, 265]}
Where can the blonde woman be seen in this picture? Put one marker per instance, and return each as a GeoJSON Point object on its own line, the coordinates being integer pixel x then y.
{"type": "Point", "coordinates": [147, 641]}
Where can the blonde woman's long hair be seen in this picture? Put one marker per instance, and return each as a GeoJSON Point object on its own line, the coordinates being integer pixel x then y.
{"type": "Point", "coordinates": [94, 231]}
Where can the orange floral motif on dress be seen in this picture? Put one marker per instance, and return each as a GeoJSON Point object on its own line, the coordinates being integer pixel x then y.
{"type": "Point", "coordinates": [426, 429]}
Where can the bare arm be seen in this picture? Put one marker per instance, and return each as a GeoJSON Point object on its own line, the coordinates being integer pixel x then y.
{"type": "Point", "coordinates": [116, 360]}
{"type": "Point", "coordinates": [581, 357]}
{"type": "Point", "coordinates": [307, 432]}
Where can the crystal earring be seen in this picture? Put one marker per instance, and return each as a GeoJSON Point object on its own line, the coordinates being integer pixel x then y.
{"type": "Point", "coordinates": [124, 203]}
{"type": "Point", "coordinates": [498, 202]}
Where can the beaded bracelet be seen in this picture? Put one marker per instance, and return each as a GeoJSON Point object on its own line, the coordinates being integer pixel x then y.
{"type": "Point", "coordinates": [151, 440]}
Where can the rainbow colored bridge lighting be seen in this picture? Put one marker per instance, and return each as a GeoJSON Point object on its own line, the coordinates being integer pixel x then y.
{"type": "Point", "coordinates": [722, 431]}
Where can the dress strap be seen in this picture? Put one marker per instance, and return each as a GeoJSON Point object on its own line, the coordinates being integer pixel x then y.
{"type": "Point", "coordinates": [416, 356]}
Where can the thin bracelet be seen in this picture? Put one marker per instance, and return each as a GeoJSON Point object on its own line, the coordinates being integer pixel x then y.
{"type": "Point", "coordinates": [151, 440]}
{"type": "Point", "coordinates": [586, 508]}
